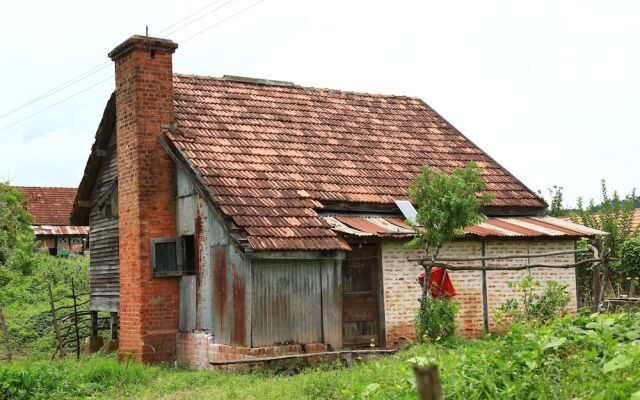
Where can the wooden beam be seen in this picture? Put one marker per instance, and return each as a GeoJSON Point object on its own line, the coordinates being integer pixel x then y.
{"type": "Point", "coordinates": [507, 257]}
{"type": "Point", "coordinates": [518, 268]}
{"type": "Point", "coordinates": [302, 356]}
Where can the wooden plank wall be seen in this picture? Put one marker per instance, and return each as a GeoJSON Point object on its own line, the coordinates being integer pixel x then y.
{"type": "Point", "coordinates": [104, 276]}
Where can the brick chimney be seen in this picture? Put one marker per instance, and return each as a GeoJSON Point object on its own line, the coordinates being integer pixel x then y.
{"type": "Point", "coordinates": [146, 196]}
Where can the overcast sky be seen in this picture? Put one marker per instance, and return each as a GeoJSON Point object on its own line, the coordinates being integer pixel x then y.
{"type": "Point", "coordinates": [550, 89]}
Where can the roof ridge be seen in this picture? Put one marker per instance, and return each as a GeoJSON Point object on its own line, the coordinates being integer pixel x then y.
{"type": "Point", "coordinates": [285, 84]}
{"type": "Point", "coordinates": [46, 187]}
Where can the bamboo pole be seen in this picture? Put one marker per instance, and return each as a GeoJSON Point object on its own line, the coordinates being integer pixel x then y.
{"type": "Point", "coordinates": [75, 319]}
{"type": "Point", "coordinates": [54, 322]}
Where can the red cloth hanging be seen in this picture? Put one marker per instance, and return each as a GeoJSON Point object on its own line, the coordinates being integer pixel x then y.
{"type": "Point", "coordinates": [437, 274]}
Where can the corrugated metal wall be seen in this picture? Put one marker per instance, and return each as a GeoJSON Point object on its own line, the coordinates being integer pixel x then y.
{"type": "Point", "coordinates": [286, 302]}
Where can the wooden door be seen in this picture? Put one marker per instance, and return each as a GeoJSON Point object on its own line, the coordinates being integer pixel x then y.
{"type": "Point", "coordinates": [360, 321]}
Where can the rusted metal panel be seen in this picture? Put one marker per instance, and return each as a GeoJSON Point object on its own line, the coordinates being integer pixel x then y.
{"type": "Point", "coordinates": [46, 230]}
{"type": "Point", "coordinates": [332, 303]}
{"type": "Point", "coordinates": [286, 302]}
{"type": "Point", "coordinates": [372, 225]}
{"type": "Point", "coordinates": [241, 295]}
{"type": "Point", "coordinates": [204, 270]}
{"type": "Point", "coordinates": [220, 295]}
{"type": "Point", "coordinates": [187, 303]}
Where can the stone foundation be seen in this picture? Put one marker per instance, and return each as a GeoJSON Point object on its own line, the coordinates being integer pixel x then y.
{"type": "Point", "coordinates": [198, 350]}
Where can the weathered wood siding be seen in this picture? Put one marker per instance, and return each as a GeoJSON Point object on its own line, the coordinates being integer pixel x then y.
{"type": "Point", "coordinates": [104, 276]}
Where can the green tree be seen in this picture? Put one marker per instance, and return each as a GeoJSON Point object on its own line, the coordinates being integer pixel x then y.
{"type": "Point", "coordinates": [445, 205]}
{"type": "Point", "coordinates": [614, 216]}
{"type": "Point", "coordinates": [15, 231]}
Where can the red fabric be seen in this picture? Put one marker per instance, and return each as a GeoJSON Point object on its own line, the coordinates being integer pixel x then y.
{"type": "Point", "coordinates": [435, 280]}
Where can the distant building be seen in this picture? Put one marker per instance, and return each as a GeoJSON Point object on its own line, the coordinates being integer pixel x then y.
{"type": "Point", "coordinates": [50, 208]}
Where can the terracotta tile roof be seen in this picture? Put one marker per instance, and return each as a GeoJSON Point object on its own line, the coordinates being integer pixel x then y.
{"type": "Point", "coordinates": [270, 154]}
{"type": "Point", "coordinates": [49, 205]}
{"type": "Point", "coordinates": [381, 226]}
{"type": "Point", "coordinates": [636, 217]}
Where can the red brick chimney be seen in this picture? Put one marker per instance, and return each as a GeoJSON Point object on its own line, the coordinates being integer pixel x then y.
{"type": "Point", "coordinates": [146, 196]}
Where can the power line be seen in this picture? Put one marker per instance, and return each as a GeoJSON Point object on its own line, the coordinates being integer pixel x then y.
{"type": "Point", "coordinates": [187, 17]}
{"type": "Point", "coordinates": [200, 17]}
{"type": "Point", "coordinates": [56, 103]}
{"type": "Point", "coordinates": [105, 64]}
{"type": "Point", "coordinates": [62, 86]}
{"type": "Point", "coordinates": [100, 67]}
{"type": "Point", "coordinates": [221, 21]}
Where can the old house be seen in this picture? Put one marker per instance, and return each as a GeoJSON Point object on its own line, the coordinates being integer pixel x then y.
{"type": "Point", "coordinates": [50, 208]}
{"type": "Point", "coordinates": [235, 217]}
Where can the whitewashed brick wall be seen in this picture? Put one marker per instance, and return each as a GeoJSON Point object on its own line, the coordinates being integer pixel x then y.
{"type": "Point", "coordinates": [401, 291]}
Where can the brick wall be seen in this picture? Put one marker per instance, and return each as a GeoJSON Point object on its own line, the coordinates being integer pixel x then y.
{"type": "Point", "coordinates": [146, 196]}
{"type": "Point", "coordinates": [401, 291]}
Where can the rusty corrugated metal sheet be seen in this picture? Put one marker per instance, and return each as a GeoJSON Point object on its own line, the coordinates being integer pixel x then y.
{"type": "Point", "coordinates": [286, 302]}
{"type": "Point", "coordinates": [498, 227]}
{"type": "Point", "coordinates": [50, 230]}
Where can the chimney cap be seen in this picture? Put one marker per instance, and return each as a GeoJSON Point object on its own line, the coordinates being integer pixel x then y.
{"type": "Point", "coordinates": [144, 43]}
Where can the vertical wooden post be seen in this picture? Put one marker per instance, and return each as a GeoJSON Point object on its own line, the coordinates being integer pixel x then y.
{"type": "Point", "coordinates": [94, 323]}
{"type": "Point", "coordinates": [485, 293]}
{"type": "Point", "coordinates": [75, 318]}
{"type": "Point", "coordinates": [5, 334]}
{"type": "Point", "coordinates": [54, 322]}
{"type": "Point", "coordinates": [114, 325]}
{"type": "Point", "coordinates": [428, 382]}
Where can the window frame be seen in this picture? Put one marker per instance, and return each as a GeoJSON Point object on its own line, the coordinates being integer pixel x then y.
{"type": "Point", "coordinates": [179, 271]}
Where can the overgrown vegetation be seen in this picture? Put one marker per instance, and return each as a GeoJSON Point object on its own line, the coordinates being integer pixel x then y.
{"type": "Point", "coordinates": [24, 279]}
{"type": "Point", "coordinates": [535, 307]}
{"type": "Point", "coordinates": [435, 318]}
{"type": "Point", "coordinates": [591, 356]}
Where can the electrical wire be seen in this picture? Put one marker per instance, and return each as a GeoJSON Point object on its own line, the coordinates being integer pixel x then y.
{"type": "Point", "coordinates": [189, 16]}
{"type": "Point", "coordinates": [57, 103]}
{"type": "Point", "coordinates": [221, 21]}
{"type": "Point", "coordinates": [71, 82]}
{"type": "Point", "coordinates": [105, 64]}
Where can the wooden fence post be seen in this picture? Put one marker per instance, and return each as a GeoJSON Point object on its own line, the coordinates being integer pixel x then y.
{"type": "Point", "coordinates": [75, 318]}
{"type": "Point", "coordinates": [428, 382]}
{"type": "Point", "coordinates": [54, 322]}
{"type": "Point", "coordinates": [5, 334]}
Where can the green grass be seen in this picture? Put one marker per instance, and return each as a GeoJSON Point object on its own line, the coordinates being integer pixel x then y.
{"type": "Point", "coordinates": [25, 300]}
{"type": "Point", "coordinates": [589, 357]}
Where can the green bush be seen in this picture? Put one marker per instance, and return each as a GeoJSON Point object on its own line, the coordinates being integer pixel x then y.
{"type": "Point", "coordinates": [435, 319]}
{"type": "Point", "coordinates": [630, 259]}
{"type": "Point", "coordinates": [534, 307]}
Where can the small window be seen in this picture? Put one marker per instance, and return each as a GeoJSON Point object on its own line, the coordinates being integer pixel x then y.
{"type": "Point", "coordinates": [109, 208]}
{"type": "Point", "coordinates": [164, 257]}
{"type": "Point", "coordinates": [189, 254]}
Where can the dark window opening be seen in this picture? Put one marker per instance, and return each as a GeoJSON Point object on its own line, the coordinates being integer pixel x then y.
{"type": "Point", "coordinates": [189, 255]}
{"type": "Point", "coordinates": [164, 257]}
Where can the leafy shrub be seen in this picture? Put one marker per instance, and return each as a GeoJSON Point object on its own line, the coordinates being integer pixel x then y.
{"type": "Point", "coordinates": [630, 258]}
{"type": "Point", "coordinates": [534, 307]}
{"type": "Point", "coordinates": [435, 319]}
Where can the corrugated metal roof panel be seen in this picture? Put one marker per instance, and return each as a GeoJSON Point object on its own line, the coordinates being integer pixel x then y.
{"type": "Point", "coordinates": [49, 230]}
{"type": "Point", "coordinates": [380, 226]}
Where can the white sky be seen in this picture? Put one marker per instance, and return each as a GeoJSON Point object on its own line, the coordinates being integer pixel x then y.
{"type": "Point", "coordinates": [550, 89]}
